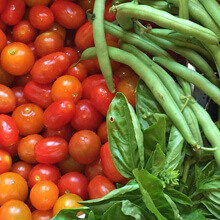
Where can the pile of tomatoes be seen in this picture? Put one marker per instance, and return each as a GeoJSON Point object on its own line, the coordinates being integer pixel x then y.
{"type": "Point", "coordinates": [54, 148]}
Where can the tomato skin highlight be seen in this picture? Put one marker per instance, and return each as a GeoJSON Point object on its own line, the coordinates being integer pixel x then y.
{"type": "Point", "coordinates": [46, 69]}
{"type": "Point", "coordinates": [8, 130]}
{"type": "Point", "coordinates": [51, 150]}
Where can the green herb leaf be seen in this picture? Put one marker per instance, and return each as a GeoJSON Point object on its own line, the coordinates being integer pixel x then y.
{"type": "Point", "coordinates": [125, 136]}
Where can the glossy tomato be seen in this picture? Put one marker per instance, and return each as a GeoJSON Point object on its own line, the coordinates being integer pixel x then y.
{"type": "Point", "coordinates": [15, 209]}
{"type": "Point", "coordinates": [7, 99]}
{"type": "Point", "coordinates": [48, 68]}
{"type": "Point", "coordinates": [8, 130]}
{"type": "Point", "coordinates": [12, 186]}
{"type": "Point", "coordinates": [38, 93]}
{"type": "Point", "coordinates": [41, 172]}
{"type": "Point", "coordinates": [42, 215]}
{"type": "Point", "coordinates": [55, 27]}
{"type": "Point", "coordinates": [72, 54]}
{"type": "Point", "coordinates": [28, 118]}
{"type": "Point", "coordinates": [73, 182]}
{"type": "Point", "coordinates": [58, 114]}
{"type": "Point", "coordinates": [86, 5]}
{"type": "Point", "coordinates": [5, 161]}
{"type": "Point", "coordinates": [17, 58]}
{"type": "Point", "coordinates": [84, 146]}
{"type": "Point", "coordinates": [86, 116]}
{"type": "Point", "coordinates": [51, 150]}
{"type": "Point", "coordinates": [99, 186]}
{"type": "Point", "coordinates": [68, 14]}
{"type": "Point", "coordinates": [44, 194]}
{"type": "Point", "coordinates": [41, 17]}
{"type": "Point", "coordinates": [108, 165]}
{"type": "Point", "coordinates": [13, 12]}
{"type": "Point", "coordinates": [19, 95]}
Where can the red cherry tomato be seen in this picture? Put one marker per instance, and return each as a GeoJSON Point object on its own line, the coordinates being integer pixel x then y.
{"type": "Point", "coordinates": [8, 130]}
{"type": "Point", "coordinates": [68, 14]}
{"type": "Point", "coordinates": [99, 186]}
{"type": "Point", "coordinates": [58, 114]}
{"type": "Point", "coordinates": [39, 94]}
{"type": "Point", "coordinates": [3, 4]}
{"type": "Point", "coordinates": [48, 68]}
{"type": "Point", "coordinates": [103, 132]}
{"type": "Point", "coordinates": [3, 40]}
{"type": "Point", "coordinates": [13, 12]}
{"type": "Point", "coordinates": [19, 95]}
{"type": "Point", "coordinates": [72, 54]}
{"type": "Point", "coordinates": [51, 150]}
{"type": "Point", "coordinates": [109, 16]}
{"type": "Point", "coordinates": [73, 182]}
{"type": "Point", "coordinates": [84, 36]}
{"type": "Point", "coordinates": [41, 172]}
{"type": "Point", "coordinates": [84, 146]}
{"type": "Point", "coordinates": [108, 165]}
{"type": "Point", "coordinates": [86, 116]}
{"type": "Point", "coordinates": [5, 161]}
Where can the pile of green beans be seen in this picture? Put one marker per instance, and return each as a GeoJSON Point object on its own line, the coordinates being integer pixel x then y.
{"type": "Point", "coordinates": [193, 33]}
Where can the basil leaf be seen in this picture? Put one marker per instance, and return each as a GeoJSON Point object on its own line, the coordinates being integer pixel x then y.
{"type": "Point", "coordinates": [213, 208]}
{"type": "Point", "coordinates": [195, 215]}
{"type": "Point", "coordinates": [145, 101]}
{"type": "Point", "coordinates": [125, 136]}
{"type": "Point", "coordinates": [152, 190]}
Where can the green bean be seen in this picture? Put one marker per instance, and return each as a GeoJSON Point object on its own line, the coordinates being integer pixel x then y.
{"type": "Point", "coordinates": [148, 46]}
{"type": "Point", "coordinates": [184, 9]}
{"type": "Point", "coordinates": [199, 14]}
{"type": "Point", "coordinates": [184, 85]}
{"type": "Point", "coordinates": [209, 128]}
{"type": "Point", "coordinates": [191, 76]}
{"type": "Point", "coordinates": [213, 8]}
{"type": "Point", "coordinates": [126, 11]}
{"type": "Point", "coordinates": [193, 57]}
{"type": "Point", "coordinates": [100, 43]}
{"type": "Point", "coordinates": [170, 84]}
{"type": "Point", "coordinates": [182, 40]}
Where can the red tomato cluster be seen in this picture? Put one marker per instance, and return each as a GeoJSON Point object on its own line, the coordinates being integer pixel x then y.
{"type": "Point", "coordinates": [54, 149]}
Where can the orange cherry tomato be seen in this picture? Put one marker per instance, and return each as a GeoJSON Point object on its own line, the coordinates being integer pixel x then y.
{"type": "Point", "coordinates": [3, 40]}
{"type": "Point", "coordinates": [5, 161]}
{"type": "Point", "coordinates": [17, 58]}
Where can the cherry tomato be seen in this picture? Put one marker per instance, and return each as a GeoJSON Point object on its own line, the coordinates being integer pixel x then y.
{"type": "Point", "coordinates": [7, 99]}
{"type": "Point", "coordinates": [67, 201]}
{"type": "Point", "coordinates": [12, 186]}
{"type": "Point", "coordinates": [44, 194]}
{"type": "Point", "coordinates": [23, 79]}
{"type": "Point", "coordinates": [17, 58]}
{"type": "Point", "coordinates": [5, 77]}
{"type": "Point", "coordinates": [127, 86]}
{"type": "Point", "coordinates": [84, 36]}
{"type": "Point", "coordinates": [19, 95]}
{"type": "Point", "coordinates": [99, 186]}
{"type": "Point", "coordinates": [86, 5]}
{"type": "Point", "coordinates": [11, 149]}
{"type": "Point", "coordinates": [28, 118]}
{"type": "Point", "coordinates": [73, 182]}
{"type": "Point", "coordinates": [67, 87]}
{"type": "Point", "coordinates": [22, 168]}
{"type": "Point", "coordinates": [5, 161]}
{"type": "Point", "coordinates": [31, 3]}
{"type": "Point", "coordinates": [108, 165]}
{"type": "Point", "coordinates": [124, 71]}
{"type": "Point", "coordinates": [47, 43]}
{"type": "Point", "coordinates": [91, 66]}
{"type": "Point", "coordinates": [51, 150]}
{"type": "Point", "coordinates": [25, 148]}
{"type": "Point", "coordinates": [13, 12]}
{"type": "Point", "coordinates": [79, 71]}
{"type": "Point", "coordinates": [24, 32]}
{"type": "Point", "coordinates": [109, 16]}
{"type": "Point", "coordinates": [39, 94]}
{"type": "Point", "coordinates": [3, 40]}
{"type": "Point", "coordinates": [103, 132]}
{"type": "Point", "coordinates": [48, 68]}
{"type": "Point", "coordinates": [3, 26]}
{"type": "Point", "coordinates": [15, 209]}
{"type": "Point", "coordinates": [68, 14]}
{"type": "Point", "coordinates": [101, 98]}
{"type": "Point", "coordinates": [3, 4]}
{"type": "Point", "coordinates": [43, 172]}
{"type": "Point", "coordinates": [84, 146]}
{"type": "Point", "coordinates": [86, 116]}
{"type": "Point", "coordinates": [94, 169]}
{"type": "Point", "coordinates": [70, 165]}
{"type": "Point", "coordinates": [72, 54]}
{"type": "Point", "coordinates": [55, 27]}
{"type": "Point", "coordinates": [8, 130]}
{"type": "Point", "coordinates": [58, 114]}
{"type": "Point", "coordinates": [42, 215]}
{"type": "Point", "coordinates": [41, 17]}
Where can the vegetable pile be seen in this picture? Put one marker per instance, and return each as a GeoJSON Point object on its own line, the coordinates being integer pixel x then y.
{"type": "Point", "coordinates": [99, 115]}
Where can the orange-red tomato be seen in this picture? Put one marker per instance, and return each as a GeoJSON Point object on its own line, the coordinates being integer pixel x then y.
{"type": "Point", "coordinates": [3, 40]}
{"type": "Point", "coordinates": [31, 3]}
{"type": "Point", "coordinates": [12, 186]}
{"type": "Point", "coordinates": [42, 215]}
{"type": "Point", "coordinates": [5, 161]}
{"type": "Point", "coordinates": [5, 77]}
{"type": "Point", "coordinates": [17, 58]}
{"type": "Point", "coordinates": [58, 29]}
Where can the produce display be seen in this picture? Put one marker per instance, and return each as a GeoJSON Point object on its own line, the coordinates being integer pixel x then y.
{"type": "Point", "coordinates": [109, 109]}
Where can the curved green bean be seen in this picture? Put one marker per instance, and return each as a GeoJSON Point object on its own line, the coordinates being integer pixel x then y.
{"type": "Point", "coordinates": [191, 76]}
{"type": "Point", "coordinates": [159, 91]}
{"type": "Point", "coordinates": [126, 11]}
{"type": "Point", "coordinates": [100, 43]}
